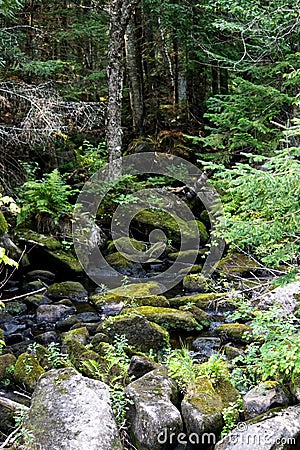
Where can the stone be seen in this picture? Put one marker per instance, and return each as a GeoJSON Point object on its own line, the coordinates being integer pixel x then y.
{"type": "Point", "coordinates": [31, 238]}
{"type": "Point", "coordinates": [43, 275]}
{"type": "Point", "coordinates": [152, 411]}
{"type": "Point", "coordinates": [88, 316]}
{"type": "Point", "coordinates": [53, 313]}
{"type": "Point", "coordinates": [236, 332]}
{"type": "Point", "coordinates": [123, 264]}
{"type": "Point", "coordinates": [201, 316]}
{"type": "Point", "coordinates": [71, 412]}
{"type": "Point", "coordinates": [168, 318]}
{"type": "Point", "coordinates": [140, 365]}
{"type": "Point", "coordinates": [33, 286]}
{"type": "Point", "coordinates": [206, 346]}
{"type": "Point", "coordinates": [78, 334]}
{"type": "Point", "coordinates": [263, 397]}
{"type": "Point", "coordinates": [286, 297]}
{"type": "Point", "coordinates": [237, 264]}
{"type": "Point", "coordinates": [277, 429]}
{"type": "Point", "coordinates": [125, 244]}
{"type": "Point", "coordinates": [196, 282]}
{"type": "Point", "coordinates": [72, 290]}
{"type": "Point", "coordinates": [208, 300]}
{"type": "Point", "coordinates": [7, 361]}
{"type": "Point", "coordinates": [37, 300]}
{"type": "Point", "coordinates": [47, 338]}
{"type": "Point", "coordinates": [140, 333]}
{"type": "Point", "coordinates": [127, 293]}
{"type": "Point", "coordinates": [15, 307]}
{"type": "Point", "coordinates": [27, 371]}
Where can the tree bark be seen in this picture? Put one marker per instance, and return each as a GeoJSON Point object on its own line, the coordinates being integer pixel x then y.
{"type": "Point", "coordinates": [120, 13]}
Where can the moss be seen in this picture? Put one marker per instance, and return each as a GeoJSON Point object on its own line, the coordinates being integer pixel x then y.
{"type": "Point", "coordinates": [27, 371]}
{"type": "Point", "coordinates": [140, 333]}
{"type": "Point", "coordinates": [193, 269]}
{"type": "Point", "coordinates": [78, 334]}
{"type": "Point", "coordinates": [202, 317]}
{"type": "Point", "coordinates": [186, 255]}
{"type": "Point", "coordinates": [68, 289]}
{"type": "Point", "coordinates": [200, 300]}
{"type": "Point", "coordinates": [125, 293]}
{"type": "Point", "coordinates": [170, 319]}
{"type": "Point", "coordinates": [118, 261]}
{"type": "Point", "coordinates": [15, 307]}
{"type": "Point", "coordinates": [1, 335]}
{"type": "Point", "coordinates": [234, 331]}
{"type": "Point", "coordinates": [124, 245]}
{"type": "Point", "coordinates": [228, 393]}
{"type": "Point", "coordinates": [6, 361]}
{"type": "Point", "coordinates": [236, 263]}
{"type": "Point", "coordinates": [3, 224]}
{"type": "Point", "coordinates": [204, 397]}
{"type": "Point", "coordinates": [47, 241]}
{"type": "Point", "coordinates": [66, 261]}
{"type": "Point", "coordinates": [151, 300]}
{"type": "Point", "coordinates": [198, 283]}
{"type": "Point", "coordinates": [203, 235]}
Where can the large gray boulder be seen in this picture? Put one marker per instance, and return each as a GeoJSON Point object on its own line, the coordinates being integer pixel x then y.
{"type": "Point", "coordinates": [154, 419]}
{"type": "Point", "coordinates": [275, 430]}
{"type": "Point", "coordinates": [71, 412]}
{"type": "Point", "coordinates": [286, 296]}
{"type": "Point", "coordinates": [264, 397]}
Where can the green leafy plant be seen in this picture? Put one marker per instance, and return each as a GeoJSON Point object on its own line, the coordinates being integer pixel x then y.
{"type": "Point", "coordinates": [55, 357]}
{"type": "Point", "coordinates": [46, 201]}
{"type": "Point", "coordinates": [231, 416]}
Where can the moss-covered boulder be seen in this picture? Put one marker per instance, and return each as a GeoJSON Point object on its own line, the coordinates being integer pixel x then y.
{"type": "Point", "coordinates": [126, 293]}
{"type": "Point", "coordinates": [201, 316]}
{"type": "Point", "coordinates": [27, 371]}
{"type": "Point", "coordinates": [196, 282]}
{"type": "Point", "coordinates": [31, 237]}
{"type": "Point", "coordinates": [15, 307]}
{"type": "Point", "coordinates": [185, 255]}
{"type": "Point", "coordinates": [72, 290]}
{"type": "Point", "coordinates": [78, 334]}
{"type": "Point", "coordinates": [123, 264]}
{"type": "Point", "coordinates": [3, 224]}
{"type": "Point", "coordinates": [168, 318]}
{"type": "Point", "coordinates": [7, 362]}
{"type": "Point", "coordinates": [237, 264]}
{"type": "Point", "coordinates": [61, 261]}
{"type": "Point", "coordinates": [140, 333]}
{"type": "Point", "coordinates": [125, 244]}
{"type": "Point", "coordinates": [236, 332]}
{"type": "Point", "coordinates": [199, 300]}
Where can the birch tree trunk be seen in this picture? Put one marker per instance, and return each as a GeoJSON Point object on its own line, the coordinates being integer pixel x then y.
{"type": "Point", "coordinates": [120, 12]}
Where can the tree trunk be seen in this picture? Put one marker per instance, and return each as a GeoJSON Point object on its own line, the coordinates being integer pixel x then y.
{"type": "Point", "coordinates": [134, 67]}
{"type": "Point", "coordinates": [120, 13]}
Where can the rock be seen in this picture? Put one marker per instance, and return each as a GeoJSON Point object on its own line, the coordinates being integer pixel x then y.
{"type": "Point", "coordinates": [52, 313]}
{"type": "Point", "coordinates": [208, 300]}
{"type": "Point", "coordinates": [7, 362]}
{"type": "Point", "coordinates": [27, 371]}
{"type": "Point", "coordinates": [66, 324]}
{"type": "Point", "coordinates": [125, 244]}
{"type": "Point", "coordinates": [260, 399]}
{"type": "Point", "coordinates": [88, 316]}
{"type": "Point", "coordinates": [42, 275]}
{"type": "Point", "coordinates": [275, 430]}
{"type": "Point", "coordinates": [68, 289]}
{"type": "Point", "coordinates": [63, 262]}
{"type": "Point", "coordinates": [206, 346]}
{"type": "Point", "coordinates": [126, 293]}
{"type": "Point", "coordinates": [33, 286]}
{"type": "Point", "coordinates": [237, 264]}
{"type": "Point", "coordinates": [286, 297]}
{"type": "Point", "coordinates": [235, 332]}
{"type": "Point", "coordinates": [47, 338]}
{"type": "Point", "coordinates": [123, 264]}
{"type": "Point", "coordinates": [185, 255]}
{"type": "Point", "coordinates": [140, 365]}
{"type": "Point", "coordinates": [202, 317]}
{"type": "Point", "coordinates": [79, 334]}
{"type": "Point", "coordinates": [139, 332]}
{"type": "Point", "coordinates": [15, 307]}
{"type": "Point", "coordinates": [70, 412]}
{"type": "Point", "coordinates": [152, 413]}
{"type": "Point", "coordinates": [150, 300]}
{"type": "Point", "coordinates": [202, 409]}
{"type": "Point", "coordinates": [31, 238]}
{"type": "Point", "coordinates": [3, 224]}
{"type": "Point", "coordinates": [168, 318]}
{"type": "Point", "coordinates": [37, 300]}
{"type": "Point", "coordinates": [196, 282]}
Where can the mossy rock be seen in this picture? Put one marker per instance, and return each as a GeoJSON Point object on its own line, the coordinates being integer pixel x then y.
{"type": "Point", "coordinates": [201, 316]}
{"type": "Point", "coordinates": [125, 244]}
{"type": "Point", "coordinates": [191, 269]}
{"type": "Point", "coordinates": [37, 300]}
{"type": "Point", "coordinates": [7, 361]}
{"type": "Point", "coordinates": [149, 220]}
{"type": "Point", "coordinates": [151, 300]}
{"type": "Point", "coordinates": [15, 307]}
{"type": "Point", "coordinates": [1, 335]}
{"type": "Point", "coordinates": [27, 371]}
{"type": "Point", "coordinates": [65, 262]}
{"type": "Point", "coordinates": [168, 318]}
{"type": "Point", "coordinates": [228, 393]}
{"type": "Point", "coordinates": [72, 290]}
{"type": "Point", "coordinates": [3, 224]}
{"type": "Point", "coordinates": [126, 293]}
{"type": "Point", "coordinates": [236, 332]}
{"type": "Point", "coordinates": [74, 350]}
{"type": "Point", "coordinates": [140, 333]}
{"type": "Point", "coordinates": [124, 264]}
{"type": "Point", "coordinates": [236, 264]}
{"type": "Point", "coordinates": [196, 282]}
{"type": "Point", "coordinates": [185, 256]}
{"type": "Point", "coordinates": [48, 242]}
{"type": "Point", "coordinates": [78, 334]}
{"type": "Point", "coordinates": [199, 300]}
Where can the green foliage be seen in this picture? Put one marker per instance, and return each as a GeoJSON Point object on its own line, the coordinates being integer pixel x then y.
{"type": "Point", "coordinates": [242, 118]}
{"type": "Point", "coordinates": [9, 7]}
{"type": "Point", "coordinates": [231, 416]}
{"type": "Point", "coordinates": [262, 205]}
{"type": "Point", "coordinates": [46, 197]}
{"type": "Point", "coordinates": [55, 357]}
{"type": "Point", "coordinates": [275, 352]}
{"type": "Point", "coordinates": [92, 158]}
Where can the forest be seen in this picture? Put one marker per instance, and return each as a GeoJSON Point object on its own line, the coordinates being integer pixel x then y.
{"type": "Point", "coordinates": [149, 224]}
